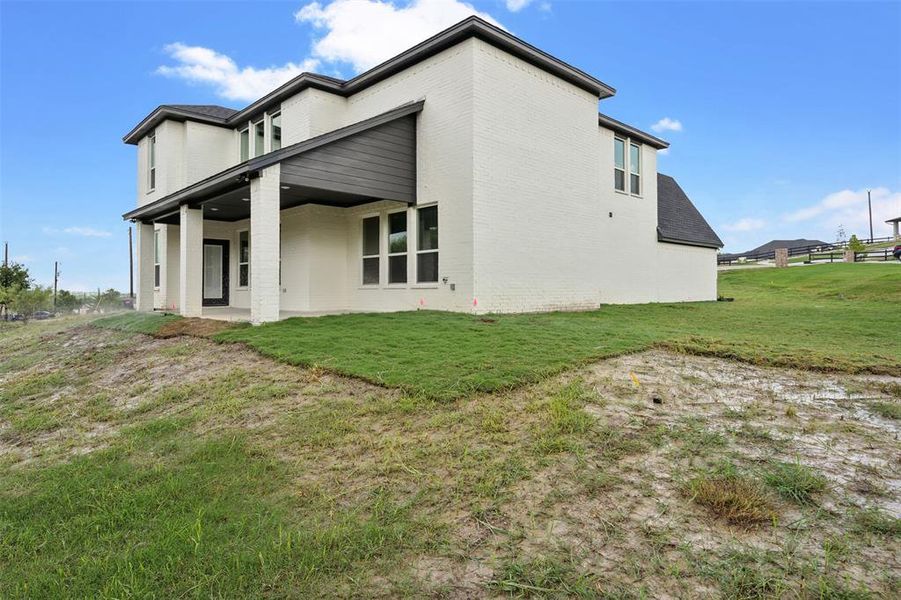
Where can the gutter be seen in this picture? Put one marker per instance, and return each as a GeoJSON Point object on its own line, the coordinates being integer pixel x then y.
{"type": "Point", "coordinates": [632, 132]}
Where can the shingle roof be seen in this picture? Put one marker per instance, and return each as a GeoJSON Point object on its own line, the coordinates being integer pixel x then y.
{"type": "Point", "coordinates": [678, 221]}
{"type": "Point", "coordinates": [207, 110]}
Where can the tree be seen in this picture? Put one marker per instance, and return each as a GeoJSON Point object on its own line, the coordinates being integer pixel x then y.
{"type": "Point", "coordinates": [27, 301]}
{"type": "Point", "coordinates": [67, 301]}
{"type": "Point", "coordinates": [14, 275]}
{"type": "Point", "coordinates": [109, 299]}
{"type": "Point", "coordinates": [855, 244]}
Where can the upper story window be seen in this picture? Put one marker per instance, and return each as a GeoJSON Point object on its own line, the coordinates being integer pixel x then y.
{"type": "Point", "coordinates": [275, 127]}
{"type": "Point", "coordinates": [620, 167]}
{"type": "Point", "coordinates": [151, 162]}
{"type": "Point", "coordinates": [259, 137]}
{"type": "Point", "coordinates": [619, 164]}
{"type": "Point", "coordinates": [635, 169]}
{"type": "Point", "coordinates": [244, 144]}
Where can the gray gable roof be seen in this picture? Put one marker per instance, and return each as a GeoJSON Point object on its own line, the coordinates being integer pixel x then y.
{"type": "Point", "coordinates": [678, 221]}
{"type": "Point", "coordinates": [207, 110]}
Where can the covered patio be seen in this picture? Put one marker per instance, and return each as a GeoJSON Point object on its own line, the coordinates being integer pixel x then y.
{"type": "Point", "coordinates": [223, 235]}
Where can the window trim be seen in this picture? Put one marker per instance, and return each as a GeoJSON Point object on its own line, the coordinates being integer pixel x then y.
{"type": "Point", "coordinates": [377, 255]}
{"type": "Point", "coordinates": [628, 144]}
{"type": "Point", "coordinates": [151, 162]}
{"type": "Point", "coordinates": [435, 251]}
{"type": "Point", "coordinates": [157, 275]}
{"type": "Point", "coordinates": [405, 253]}
{"type": "Point", "coordinates": [238, 286]}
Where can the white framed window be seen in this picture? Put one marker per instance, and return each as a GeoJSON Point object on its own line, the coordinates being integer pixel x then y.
{"type": "Point", "coordinates": [275, 131]}
{"type": "Point", "coordinates": [427, 244]}
{"type": "Point", "coordinates": [397, 247]}
{"type": "Point", "coordinates": [156, 258]}
{"type": "Point", "coordinates": [626, 163]}
{"type": "Point", "coordinates": [259, 137]}
{"type": "Point", "coordinates": [243, 258]}
{"type": "Point", "coordinates": [371, 233]}
{"type": "Point", "coordinates": [619, 164]}
{"type": "Point", "coordinates": [634, 169]}
{"type": "Point", "coordinates": [151, 162]}
{"type": "Point", "coordinates": [243, 144]}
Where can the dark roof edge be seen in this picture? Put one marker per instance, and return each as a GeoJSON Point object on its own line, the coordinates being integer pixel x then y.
{"type": "Point", "coordinates": [247, 168]}
{"type": "Point", "coordinates": [666, 240]}
{"type": "Point", "coordinates": [163, 112]}
{"type": "Point", "coordinates": [628, 130]}
{"type": "Point", "coordinates": [469, 27]}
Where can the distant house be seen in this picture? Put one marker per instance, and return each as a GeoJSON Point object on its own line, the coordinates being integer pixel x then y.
{"type": "Point", "coordinates": [773, 245]}
{"type": "Point", "coordinates": [470, 173]}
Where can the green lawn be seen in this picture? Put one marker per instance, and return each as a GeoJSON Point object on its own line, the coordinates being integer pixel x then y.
{"type": "Point", "coordinates": [830, 317]}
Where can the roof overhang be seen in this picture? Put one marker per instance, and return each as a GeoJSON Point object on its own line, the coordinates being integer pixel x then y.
{"type": "Point", "coordinates": [240, 175]}
{"type": "Point", "coordinates": [468, 28]}
{"type": "Point", "coordinates": [163, 113]}
{"type": "Point", "coordinates": [666, 240]}
{"type": "Point", "coordinates": [629, 131]}
{"type": "Point", "coordinates": [895, 220]}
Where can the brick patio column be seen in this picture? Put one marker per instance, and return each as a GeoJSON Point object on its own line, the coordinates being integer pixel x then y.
{"type": "Point", "coordinates": [144, 239]}
{"type": "Point", "coordinates": [265, 242]}
{"type": "Point", "coordinates": [190, 273]}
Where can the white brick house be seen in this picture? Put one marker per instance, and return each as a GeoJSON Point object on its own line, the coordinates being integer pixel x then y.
{"type": "Point", "coordinates": [471, 173]}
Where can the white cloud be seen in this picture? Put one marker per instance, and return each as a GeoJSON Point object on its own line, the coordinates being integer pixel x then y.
{"type": "Point", "coordinates": [364, 33]}
{"type": "Point", "coordinates": [81, 231]}
{"type": "Point", "coordinates": [667, 124]}
{"type": "Point", "coordinates": [517, 5]}
{"type": "Point", "coordinates": [848, 208]}
{"type": "Point", "coordinates": [205, 66]}
{"type": "Point", "coordinates": [663, 152]}
{"type": "Point", "coordinates": [745, 224]}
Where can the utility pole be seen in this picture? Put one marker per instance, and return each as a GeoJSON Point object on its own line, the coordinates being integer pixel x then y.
{"type": "Point", "coordinates": [131, 267]}
{"type": "Point", "coordinates": [5, 254]}
{"type": "Point", "coordinates": [55, 281]}
{"type": "Point", "coordinates": [870, 207]}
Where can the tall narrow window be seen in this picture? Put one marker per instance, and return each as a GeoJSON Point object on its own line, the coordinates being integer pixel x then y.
{"type": "Point", "coordinates": [371, 242]}
{"type": "Point", "coordinates": [635, 169]}
{"type": "Point", "coordinates": [259, 137]}
{"type": "Point", "coordinates": [397, 247]}
{"type": "Point", "coordinates": [244, 144]}
{"type": "Point", "coordinates": [151, 162]}
{"type": "Point", "coordinates": [156, 258]}
{"type": "Point", "coordinates": [243, 258]}
{"type": "Point", "coordinates": [275, 126]}
{"type": "Point", "coordinates": [619, 164]}
{"type": "Point", "coordinates": [427, 245]}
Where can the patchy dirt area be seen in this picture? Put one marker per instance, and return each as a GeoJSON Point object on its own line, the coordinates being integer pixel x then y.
{"type": "Point", "coordinates": [579, 486]}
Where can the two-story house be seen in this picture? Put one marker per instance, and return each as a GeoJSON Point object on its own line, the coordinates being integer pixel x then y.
{"type": "Point", "coordinates": [472, 172]}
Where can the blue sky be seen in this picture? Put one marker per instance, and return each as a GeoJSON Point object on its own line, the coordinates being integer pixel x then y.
{"type": "Point", "coordinates": [786, 111]}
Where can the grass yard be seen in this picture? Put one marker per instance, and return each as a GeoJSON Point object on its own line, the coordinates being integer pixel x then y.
{"type": "Point", "coordinates": [177, 467]}
{"type": "Point", "coordinates": [829, 317]}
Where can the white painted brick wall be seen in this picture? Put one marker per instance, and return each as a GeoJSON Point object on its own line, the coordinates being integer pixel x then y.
{"type": "Point", "coordinates": [264, 244]}
{"type": "Point", "coordinates": [190, 285]}
{"type": "Point", "coordinates": [535, 205]}
{"type": "Point", "coordinates": [144, 265]}
{"type": "Point", "coordinates": [685, 273]}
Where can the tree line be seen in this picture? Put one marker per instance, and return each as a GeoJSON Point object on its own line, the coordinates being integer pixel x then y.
{"type": "Point", "coordinates": [21, 297]}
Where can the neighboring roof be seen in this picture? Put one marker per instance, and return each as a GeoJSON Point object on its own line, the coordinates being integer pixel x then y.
{"type": "Point", "coordinates": [632, 132]}
{"type": "Point", "coordinates": [246, 170]}
{"type": "Point", "coordinates": [789, 244]}
{"type": "Point", "coordinates": [678, 221]}
{"type": "Point", "coordinates": [470, 27]}
{"type": "Point", "coordinates": [895, 220]}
